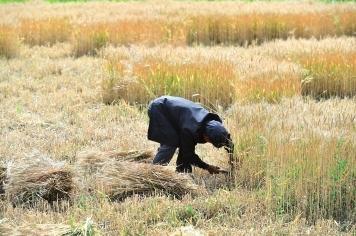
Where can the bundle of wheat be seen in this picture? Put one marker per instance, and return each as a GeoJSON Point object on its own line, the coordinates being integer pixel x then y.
{"type": "Point", "coordinates": [92, 161]}
{"type": "Point", "coordinates": [123, 179]}
{"type": "Point", "coordinates": [38, 178]}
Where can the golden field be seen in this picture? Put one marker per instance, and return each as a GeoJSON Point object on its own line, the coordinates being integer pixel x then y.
{"type": "Point", "coordinates": [77, 77]}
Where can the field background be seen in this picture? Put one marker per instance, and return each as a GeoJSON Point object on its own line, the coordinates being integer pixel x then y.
{"type": "Point", "coordinates": [78, 76]}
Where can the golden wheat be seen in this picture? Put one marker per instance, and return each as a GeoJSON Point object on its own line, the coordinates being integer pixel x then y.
{"type": "Point", "coordinates": [258, 28]}
{"type": "Point", "coordinates": [211, 81]}
{"type": "Point", "coordinates": [297, 152]}
{"type": "Point", "coordinates": [162, 25]}
{"type": "Point", "coordinates": [295, 155]}
{"type": "Point", "coordinates": [330, 74]}
{"type": "Point", "coordinates": [9, 42]}
{"type": "Point", "coordinates": [269, 87]}
{"type": "Point", "coordinates": [45, 31]}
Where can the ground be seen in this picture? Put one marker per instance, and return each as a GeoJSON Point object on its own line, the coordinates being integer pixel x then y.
{"type": "Point", "coordinates": [52, 103]}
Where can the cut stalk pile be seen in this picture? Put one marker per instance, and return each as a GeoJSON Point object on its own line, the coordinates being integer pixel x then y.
{"type": "Point", "coordinates": [91, 161]}
{"type": "Point", "coordinates": [123, 179]}
{"type": "Point", "coordinates": [34, 179]}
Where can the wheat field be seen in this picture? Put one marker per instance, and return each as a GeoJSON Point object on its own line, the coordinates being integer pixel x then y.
{"type": "Point", "coordinates": [77, 77]}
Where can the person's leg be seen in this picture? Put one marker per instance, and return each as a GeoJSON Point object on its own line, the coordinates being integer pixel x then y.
{"type": "Point", "coordinates": [183, 165]}
{"type": "Point", "coordinates": [164, 155]}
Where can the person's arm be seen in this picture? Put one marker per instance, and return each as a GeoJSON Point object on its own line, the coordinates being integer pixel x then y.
{"type": "Point", "coordinates": [188, 155]}
{"type": "Point", "coordinates": [196, 161]}
{"type": "Point", "coordinates": [187, 151]}
{"type": "Point", "coordinates": [229, 146]}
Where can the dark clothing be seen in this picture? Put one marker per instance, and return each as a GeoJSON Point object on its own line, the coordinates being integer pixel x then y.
{"type": "Point", "coordinates": [164, 155]}
{"type": "Point", "coordinates": [177, 122]}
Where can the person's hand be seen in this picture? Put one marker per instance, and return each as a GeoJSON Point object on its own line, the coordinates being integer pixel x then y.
{"type": "Point", "coordinates": [229, 146]}
{"type": "Point", "coordinates": [215, 170]}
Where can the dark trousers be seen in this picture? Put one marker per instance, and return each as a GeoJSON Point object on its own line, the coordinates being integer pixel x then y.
{"type": "Point", "coordinates": [164, 156]}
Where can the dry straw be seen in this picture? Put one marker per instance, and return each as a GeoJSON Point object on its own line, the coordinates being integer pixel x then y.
{"type": "Point", "coordinates": [123, 179]}
{"type": "Point", "coordinates": [121, 174]}
{"type": "Point", "coordinates": [37, 178]}
{"type": "Point", "coordinates": [27, 228]}
{"type": "Point", "coordinates": [91, 161]}
{"type": "Point", "coordinates": [7, 229]}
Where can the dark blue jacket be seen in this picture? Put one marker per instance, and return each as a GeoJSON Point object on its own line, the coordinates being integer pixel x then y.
{"type": "Point", "coordinates": [178, 122]}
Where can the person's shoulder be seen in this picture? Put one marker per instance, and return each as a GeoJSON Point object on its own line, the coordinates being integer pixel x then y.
{"type": "Point", "coordinates": [213, 116]}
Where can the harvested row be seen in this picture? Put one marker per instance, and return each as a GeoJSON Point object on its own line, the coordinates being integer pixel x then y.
{"type": "Point", "coordinates": [116, 173]}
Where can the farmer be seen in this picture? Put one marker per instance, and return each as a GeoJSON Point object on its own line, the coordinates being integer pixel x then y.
{"type": "Point", "coordinates": [179, 123]}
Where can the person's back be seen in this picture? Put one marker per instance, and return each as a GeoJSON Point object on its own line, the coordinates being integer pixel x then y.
{"type": "Point", "coordinates": [174, 115]}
